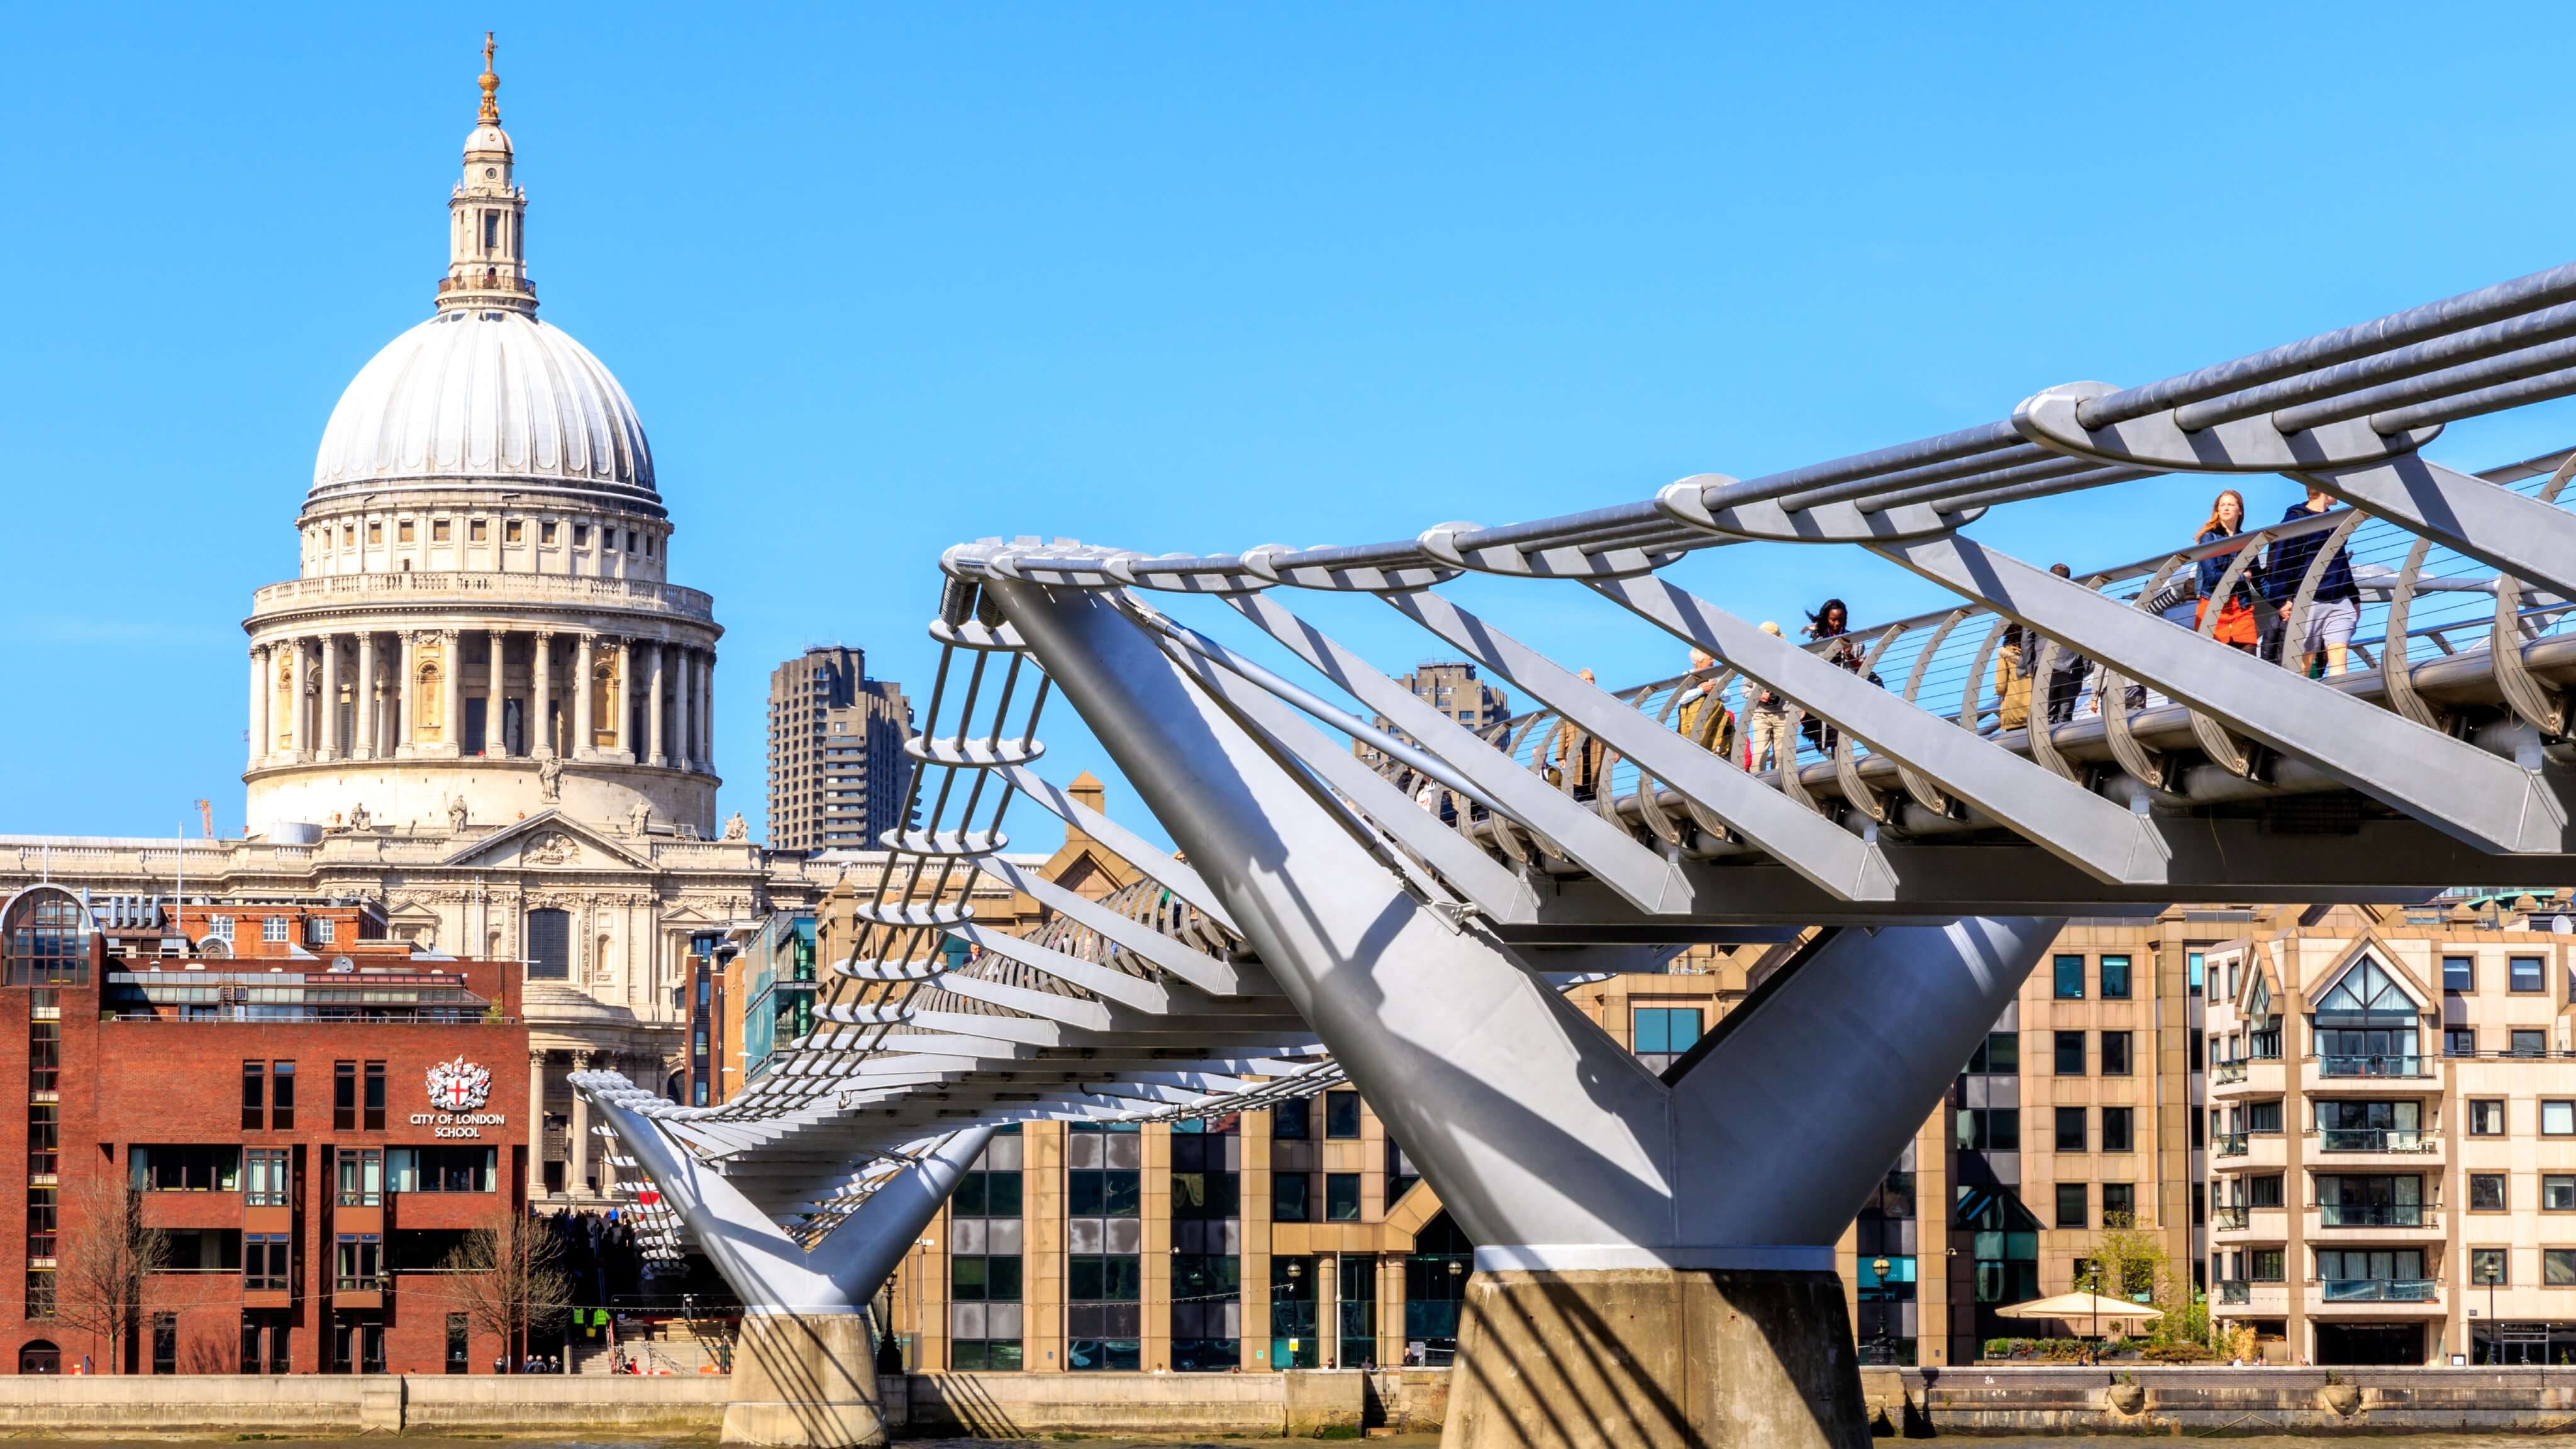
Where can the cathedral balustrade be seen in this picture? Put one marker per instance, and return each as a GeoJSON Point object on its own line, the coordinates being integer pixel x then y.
{"type": "Point", "coordinates": [644, 595]}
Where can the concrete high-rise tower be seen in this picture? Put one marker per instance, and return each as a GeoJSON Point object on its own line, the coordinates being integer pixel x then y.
{"type": "Point", "coordinates": [837, 770]}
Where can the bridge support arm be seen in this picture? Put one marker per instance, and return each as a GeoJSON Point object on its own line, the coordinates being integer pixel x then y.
{"type": "Point", "coordinates": [804, 1373]}
{"type": "Point", "coordinates": [1633, 1288]}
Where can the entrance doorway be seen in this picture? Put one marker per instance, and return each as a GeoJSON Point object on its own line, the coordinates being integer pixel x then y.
{"type": "Point", "coordinates": [2369, 1343]}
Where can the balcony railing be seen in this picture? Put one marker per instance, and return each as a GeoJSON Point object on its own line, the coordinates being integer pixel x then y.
{"type": "Point", "coordinates": [2378, 1139]}
{"type": "Point", "coordinates": [2406, 1066]}
{"type": "Point", "coordinates": [481, 586]}
{"type": "Point", "coordinates": [2233, 1144]}
{"type": "Point", "coordinates": [2375, 1215]}
{"type": "Point", "coordinates": [2235, 1290]}
{"type": "Point", "coordinates": [2222, 1073]}
{"type": "Point", "coordinates": [2230, 1217]}
{"type": "Point", "coordinates": [2378, 1290]}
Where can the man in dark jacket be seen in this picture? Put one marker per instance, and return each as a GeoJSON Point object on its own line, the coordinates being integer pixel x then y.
{"type": "Point", "coordinates": [2336, 609]}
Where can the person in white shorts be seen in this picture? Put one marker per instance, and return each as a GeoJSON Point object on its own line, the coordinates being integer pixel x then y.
{"type": "Point", "coordinates": [2336, 608]}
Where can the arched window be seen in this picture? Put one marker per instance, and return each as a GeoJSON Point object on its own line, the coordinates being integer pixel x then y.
{"type": "Point", "coordinates": [39, 1356]}
{"type": "Point", "coordinates": [45, 940]}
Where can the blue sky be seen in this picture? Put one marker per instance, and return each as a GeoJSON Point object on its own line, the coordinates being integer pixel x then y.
{"type": "Point", "coordinates": [1175, 278]}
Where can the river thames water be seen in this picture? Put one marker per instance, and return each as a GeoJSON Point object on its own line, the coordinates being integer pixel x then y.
{"type": "Point", "coordinates": [1400, 1441]}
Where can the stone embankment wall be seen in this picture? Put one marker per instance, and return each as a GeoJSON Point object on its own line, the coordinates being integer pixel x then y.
{"type": "Point", "coordinates": [1982, 1401]}
{"type": "Point", "coordinates": [2119, 1400]}
{"type": "Point", "coordinates": [335, 1406]}
{"type": "Point", "coordinates": [324, 1406]}
{"type": "Point", "coordinates": [1022, 1406]}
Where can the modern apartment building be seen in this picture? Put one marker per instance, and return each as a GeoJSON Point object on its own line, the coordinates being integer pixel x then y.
{"type": "Point", "coordinates": [837, 771]}
{"type": "Point", "coordinates": [2393, 1103]}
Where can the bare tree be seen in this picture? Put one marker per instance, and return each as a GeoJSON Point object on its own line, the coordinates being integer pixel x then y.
{"type": "Point", "coordinates": [107, 1256]}
{"type": "Point", "coordinates": [512, 1283]}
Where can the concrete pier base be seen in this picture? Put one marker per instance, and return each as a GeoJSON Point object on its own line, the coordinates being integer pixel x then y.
{"type": "Point", "coordinates": [1625, 1358]}
{"type": "Point", "coordinates": [804, 1381]}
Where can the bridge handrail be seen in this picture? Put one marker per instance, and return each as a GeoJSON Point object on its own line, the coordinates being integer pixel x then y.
{"type": "Point", "coordinates": [2484, 351]}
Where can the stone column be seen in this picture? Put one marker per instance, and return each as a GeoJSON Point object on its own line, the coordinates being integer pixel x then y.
{"type": "Point", "coordinates": [577, 1153]}
{"type": "Point", "coordinates": [653, 705]}
{"type": "Point", "coordinates": [452, 698]}
{"type": "Point", "coordinates": [620, 704]}
{"type": "Point", "coordinates": [261, 690]}
{"type": "Point", "coordinates": [327, 699]}
{"type": "Point", "coordinates": [686, 755]}
{"type": "Point", "coordinates": [707, 713]}
{"type": "Point", "coordinates": [369, 710]}
{"type": "Point", "coordinates": [496, 744]}
{"type": "Point", "coordinates": [536, 1122]}
{"type": "Point", "coordinates": [584, 729]}
{"type": "Point", "coordinates": [541, 693]}
{"type": "Point", "coordinates": [402, 696]}
{"type": "Point", "coordinates": [1328, 1307]}
{"type": "Point", "coordinates": [299, 727]}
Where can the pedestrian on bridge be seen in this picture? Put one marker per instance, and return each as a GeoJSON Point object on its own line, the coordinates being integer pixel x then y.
{"type": "Point", "coordinates": [1574, 756]}
{"type": "Point", "coordinates": [1831, 621]}
{"type": "Point", "coordinates": [2336, 609]}
{"type": "Point", "coordinates": [2067, 671]}
{"type": "Point", "coordinates": [2237, 627]}
{"type": "Point", "coordinates": [1767, 716]}
{"type": "Point", "coordinates": [1705, 720]}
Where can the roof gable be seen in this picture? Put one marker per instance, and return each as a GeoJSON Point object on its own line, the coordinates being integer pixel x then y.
{"type": "Point", "coordinates": [549, 840]}
{"type": "Point", "coordinates": [2365, 986]}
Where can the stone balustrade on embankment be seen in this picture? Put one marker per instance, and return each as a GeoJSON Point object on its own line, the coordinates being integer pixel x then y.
{"type": "Point", "coordinates": [2116, 1399]}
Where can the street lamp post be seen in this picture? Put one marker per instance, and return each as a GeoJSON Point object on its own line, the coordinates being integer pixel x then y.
{"type": "Point", "coordinates": [1457, 1270]}
{"type": "Point", "coordinates": [1296, 1272]}
{"type": "Point", "coordinates": [1878, 1269]}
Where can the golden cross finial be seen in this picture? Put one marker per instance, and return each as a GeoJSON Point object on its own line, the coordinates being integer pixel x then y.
{"type": "Point", "coordinates": [491, 85]}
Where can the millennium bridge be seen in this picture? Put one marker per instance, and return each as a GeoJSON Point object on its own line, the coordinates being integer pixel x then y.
{"type": "Point", "coordinates": [1364, 889]}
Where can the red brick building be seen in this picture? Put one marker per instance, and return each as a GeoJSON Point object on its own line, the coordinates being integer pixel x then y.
{"type": "Point", "coordinates": [313, 1114]}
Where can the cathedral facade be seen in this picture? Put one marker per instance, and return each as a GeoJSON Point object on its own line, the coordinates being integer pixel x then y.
{"type": "Point", "coordinates": [480, 704]}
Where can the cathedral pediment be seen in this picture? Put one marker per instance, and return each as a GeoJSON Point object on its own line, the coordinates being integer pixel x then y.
{"type": "Point", "coordinates": [550, 840]}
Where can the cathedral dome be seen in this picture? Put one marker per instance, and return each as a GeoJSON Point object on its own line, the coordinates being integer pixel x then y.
{"type": "Point", "coordinates": [489, 396]}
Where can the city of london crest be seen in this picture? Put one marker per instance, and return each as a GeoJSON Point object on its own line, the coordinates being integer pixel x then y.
{"type": "Point", "coordinates": [459, 1086]}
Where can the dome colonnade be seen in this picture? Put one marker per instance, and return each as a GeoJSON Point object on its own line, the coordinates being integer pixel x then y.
{"type": "Point", "coordinates": [482, 626]}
